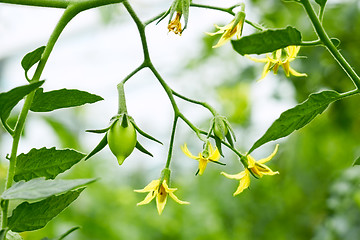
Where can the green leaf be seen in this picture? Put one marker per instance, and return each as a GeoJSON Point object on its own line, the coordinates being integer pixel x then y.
{"type": "Point", "coordinates": [297, 117]}
{"type": "Point", "coordinates": [32, 216]}
{"type": "Point", "coordinates": [31, 58]}
{"type": "Point", "coordinates": [267, 41]}
{"type": "Point", "coordinates": [39, 188]}
{"type": "Point", "coordinates": [98, 148]}
{"type": "Point", "coordinates": [357, 161]}
{"type": "Point", "coordinates": [13, 236]}
{"type": "Point", "coordinates": [321, 2]}
{"type": "Point", "coordinates": [45, 162]}
{"type": "Point", "coordinates": [63, 98]}
{"type": "Point", "coordinates": [8, 100]}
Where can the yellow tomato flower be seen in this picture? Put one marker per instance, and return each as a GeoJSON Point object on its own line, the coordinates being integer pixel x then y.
{"type": "Point", "coordinates": [175, 25]}
{"type": "Point", "coordinates": [209, 154]}
{"type": "Point", "coordinates": [256, 168]}
{"type": "Point", "coordinates": [233, 28]}
{"type": "Point", "coordinates": [160, 190]}
{"type": "Point", "coordinates": [280, 57]}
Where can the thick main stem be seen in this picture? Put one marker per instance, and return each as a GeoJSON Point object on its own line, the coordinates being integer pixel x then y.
{"type": "Point", "coordinates": [66, 17]}
{"type": "Point", "coordinates": [320, 31]}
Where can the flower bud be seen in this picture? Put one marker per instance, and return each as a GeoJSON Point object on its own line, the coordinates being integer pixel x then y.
{"type": "Point", "coordinates": [220, 129]}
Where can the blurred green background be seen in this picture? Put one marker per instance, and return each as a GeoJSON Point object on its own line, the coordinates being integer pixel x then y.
{"type": "Point", "coordinates": [315, 196]}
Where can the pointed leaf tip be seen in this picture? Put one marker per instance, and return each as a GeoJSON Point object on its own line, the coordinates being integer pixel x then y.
{"type": "Point", "coordinates": [297, 117]}
{"type": "Point", "coordinates": [63, 98]}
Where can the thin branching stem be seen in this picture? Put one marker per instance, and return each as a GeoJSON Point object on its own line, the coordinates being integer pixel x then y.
{"type": "Point", "coordinates": [323, 36]}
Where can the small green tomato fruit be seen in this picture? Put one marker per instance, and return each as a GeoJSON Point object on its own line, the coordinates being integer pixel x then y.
{"type": "Point", "coordinates": [121, 140]}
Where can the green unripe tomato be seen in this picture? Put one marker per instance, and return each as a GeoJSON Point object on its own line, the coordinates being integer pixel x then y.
{"type": "Point", "coordinates": [220, 130]}
{"type": "Point", "coordinates": [121, 140]}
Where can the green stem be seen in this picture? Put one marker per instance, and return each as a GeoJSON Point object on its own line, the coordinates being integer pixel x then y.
{"type": "Point", "coordinates": [81, 4]}
{"type": "Point", "coordinates": [141, 30]}
{"type": "Point", "coordinates": [40, 3]}
{"type": "Point", "coordinates": [320, 31]}
{"type": "Point", "coordinates": [68, 14]}
{"type": "Point", "coordinates": [154, 18]}
{"type": "Point", "coordinates": [204, 104]}
{"type": "Point", "coordinates": [130, 75]}
{"type": "Point", "coordinates": [230, 11]}
{"type": "Point", "coordinates": [311, 43]}
{"type": "Point", "coordinates": [171, 144]}
{"type": "Point", "coordinates": [227, 10]}
{"type": "Point", "coordinates": [193, 127]}
{"type": "Point", "coordinates": [122, 100]}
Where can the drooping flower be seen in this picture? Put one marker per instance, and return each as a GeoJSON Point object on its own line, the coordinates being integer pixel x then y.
{"type": "Point", "coordinates": [209, 154]}
{"type": "Point", "coordinates": [233, 28]}
{"type": "Point", "coordinates": [160, 190]}
{"type": "Point", "coordinates": [256, 168]}
{"type": "Point", "coordinates": [280, 57]}
{"type": "Point", "coordinates": [175, 24]}
{"type": "Point", "coordinates": [181, 7]}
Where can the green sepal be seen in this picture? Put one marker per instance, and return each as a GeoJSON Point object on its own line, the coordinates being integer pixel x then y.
{"type": "Point", "coordinates": [99, 130]}
{"type": "Point", "coordinates": [124, 120]}
{"type": "Point", "coordinates": [144, 133]}
{"type": "Point", "coordinates": [267, 41]}
{"type": "Point", "coordinates": [231, 130]}
{"type": "Point", "coordinates": [33, 216]}
{"type": "Point", "coordinates": [217, 162]}
{"type": "Point", "coordinates": [98, 148]}
{"type": "Point", "coordinates": [31, 59]}
{"type": "Point", "coordinates": [142, 149]}
{"type": "Point", "coordinates": [218, 145]}
{"type": "Point", "coordinates": [229, 138]}
{"type": "Point", "coordinates": [185, 6]}
{"type": "Point", "coordinates": [357, 161]}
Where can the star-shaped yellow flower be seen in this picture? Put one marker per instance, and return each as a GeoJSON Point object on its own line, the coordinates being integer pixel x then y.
{"type": "Point", "coordinates": [209, 154]}
{"type": "Point", "coordinates": [280, 57]}
{"type": "Point", "coordinates": [233, 28]}
{"type": "Point", "coordinates": [160, 190]}
{"type": "Point", "coordinates": [256, 168]}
